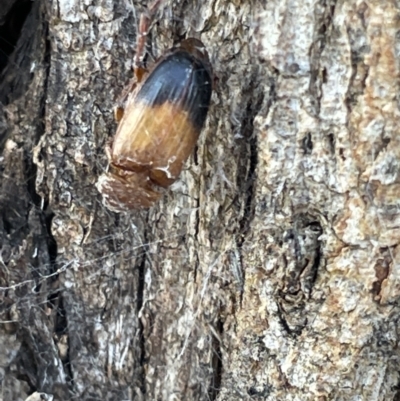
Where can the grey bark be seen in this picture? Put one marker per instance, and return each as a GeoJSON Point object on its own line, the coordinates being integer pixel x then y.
{"type": "Point", "coordinates": [267, 272]}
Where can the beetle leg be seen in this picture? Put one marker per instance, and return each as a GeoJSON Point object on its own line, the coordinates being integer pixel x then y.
{"type": "Point", "coordinates": [138, 67]}
{"type": "Point", "coordinates": [109, 149]}
{"type": "Point", "coordinates": [118, 113]}
{"type": "Point", "coordinates": [119, 108]}
{"type": "Point", "coordinates": [139, 70]}
{"type": "Point", "coordinates": [144, 25]}
{"type": "Point", "coordinates": [122, 99]}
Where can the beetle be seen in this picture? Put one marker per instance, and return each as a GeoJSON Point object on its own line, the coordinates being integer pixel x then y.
{"type": "Point", "coordinates": [159, 126]}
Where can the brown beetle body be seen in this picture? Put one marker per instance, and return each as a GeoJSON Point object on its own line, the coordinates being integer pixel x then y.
{"type": "Point", "coordinates": [159, 128]}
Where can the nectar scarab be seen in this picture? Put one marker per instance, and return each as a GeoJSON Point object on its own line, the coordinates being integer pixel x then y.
{"type": "Point", "coordinates": [158, 128]}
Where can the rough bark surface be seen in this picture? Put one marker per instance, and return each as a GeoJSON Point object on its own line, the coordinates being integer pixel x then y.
{"type": "Point", "coordinates": [269, 271]}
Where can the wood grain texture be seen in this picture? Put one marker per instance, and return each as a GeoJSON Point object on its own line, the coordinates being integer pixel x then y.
{"type": "Point", "coordinates": [268, 272]}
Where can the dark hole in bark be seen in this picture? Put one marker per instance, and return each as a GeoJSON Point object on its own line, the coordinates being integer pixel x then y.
{"type": "Point", "coordinates": [10, 29]}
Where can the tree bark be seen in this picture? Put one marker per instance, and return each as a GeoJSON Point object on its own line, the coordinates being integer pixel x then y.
{"type": "Point", "coordinates": [269, 269]}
